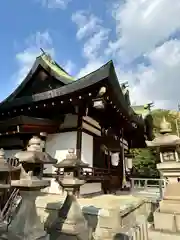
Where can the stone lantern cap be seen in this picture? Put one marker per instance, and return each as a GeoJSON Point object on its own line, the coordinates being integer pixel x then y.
{"type": "Point", "coordinates": [32, 160]}
{"type": "Point", "coordinates": [4, 165]}
{"type": "Point", "coordinates": [71, 161]}
{"type": "Point", "coordinates": [34, 153]}
{"type": "Point", "coordinates": [71, 164]}
{"type": "Point", "coordinates": [166, 139]}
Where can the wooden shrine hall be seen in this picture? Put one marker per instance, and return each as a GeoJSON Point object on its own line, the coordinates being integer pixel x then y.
{"type": "Point", "coordinates": [92, 115]}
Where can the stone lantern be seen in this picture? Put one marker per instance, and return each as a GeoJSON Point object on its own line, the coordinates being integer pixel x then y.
{"type": "Point", "coordinates": [167, 216]}
{"type": "Point", "coordinates": [70, 220]}
{"type": "Point", "coordinates": [27, 223]}
{"type": "Point", "coordinates": [167, 144]}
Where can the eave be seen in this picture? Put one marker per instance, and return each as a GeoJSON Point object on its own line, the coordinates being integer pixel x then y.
{"type": "Point", "coordinates": [24, 124]}
{"type": "Point", "coordinates": [104, 75]}
{"type": "Point", "coordinates": [78, 93]}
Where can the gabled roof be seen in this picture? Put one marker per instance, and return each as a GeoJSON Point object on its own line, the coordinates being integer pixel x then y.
{"type": "Point", "coordinates": [49, 66]}
{"type": "Point", "coordinates": [106, 72]}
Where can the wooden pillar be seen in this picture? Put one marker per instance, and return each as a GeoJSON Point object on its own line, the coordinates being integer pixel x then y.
{"type": "Point", "coordinates": [79, 133]}
{"type": "Point", "coordinates": [43, 136]}
{"type": "Point", "coordinates": [123, 160]}
{"type": "Point", "coordinates": [109, 163]}
{"type": "Point", "coordinates": [79, 143]}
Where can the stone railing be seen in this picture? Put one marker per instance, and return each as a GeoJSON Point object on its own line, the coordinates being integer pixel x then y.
{"type": "Point", "coordinates": [138, 232]}
{"type": "Point", "coordinates": [148, 183]}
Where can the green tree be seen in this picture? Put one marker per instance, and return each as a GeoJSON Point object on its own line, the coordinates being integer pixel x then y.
{"type": "Point", "coordinates": [145, 160]}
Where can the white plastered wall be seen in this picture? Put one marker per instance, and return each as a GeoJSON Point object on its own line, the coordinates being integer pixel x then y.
{"type": "Point", "coordinates": [87, 157]}
{"type": "Point", "coordinates": [57, 146]}
{"type": "Point", "coordinates": [87, 149]}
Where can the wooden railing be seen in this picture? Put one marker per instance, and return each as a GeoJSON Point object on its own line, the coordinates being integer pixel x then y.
{"type": "Point", "coordinates": [93, 173]}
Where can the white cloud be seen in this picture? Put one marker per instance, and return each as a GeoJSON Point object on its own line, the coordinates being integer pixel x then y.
{"type": "Point", "coordinates": [69, 67]}
{"type": "Point", "coordinates": [143, 28]}
{"type": "Point", "coordinates": [26, 58]}
{"type": "Point", "coordinates": [55, 3]}
{"type": "Point", "coordinates": [95, 43]}
{"type": "Point", "coordinates": [142, 24]}
{"type": "Point", "coordinates": [87, 24]}
{"type": "Point", "coordinates": [90, 67]}
{"type": "Point", "coordinates": [90, 29]}
{"type": "Point", "coordinates": [160, 80]}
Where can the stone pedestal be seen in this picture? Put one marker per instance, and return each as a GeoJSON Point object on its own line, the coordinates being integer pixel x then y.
{"type": "Point", "coordinates": [27, 224]}
{"type": "Point", "coordinates": [167, 217]}
{"type": "Point", "coordinates": [109, 224]}
{"type": "Point", "coordinates": [69, 222]}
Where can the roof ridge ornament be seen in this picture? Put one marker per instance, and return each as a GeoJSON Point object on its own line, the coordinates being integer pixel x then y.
{"type": "Point", "coordinates": [165, 126]}
{"type": "Point", "coordinates": [125, 87]}
{"type": "Point", "coordinates": [148, 106]}
{"type": "Point", "coordinates": [47, 56]}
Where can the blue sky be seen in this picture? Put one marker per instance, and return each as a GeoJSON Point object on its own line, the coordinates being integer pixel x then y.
{"type": "Point", "coordinates": [22, 19]}
{"type": "Point", "coordinates": [141, 37]}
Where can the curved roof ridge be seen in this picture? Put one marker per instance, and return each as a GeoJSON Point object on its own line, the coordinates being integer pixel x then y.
{"type": "Point", "coordinates": [110, 63]}
{"type": "Point", "coordinates": [54, 65]}
{"type": "Point", "coordinates": [101, 73]}
{"type": "Point", "coordinates": [58, 72]}
{"type": "Point", "coordinates": [105, 71]}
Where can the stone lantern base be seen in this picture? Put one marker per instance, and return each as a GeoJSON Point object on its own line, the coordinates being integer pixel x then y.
{"type": "Point", "coordinates": [167, 217]}
{"type": "Point", "coordinates": [70, 221]}
{"type": "Point", "coordinates": [27, 224]}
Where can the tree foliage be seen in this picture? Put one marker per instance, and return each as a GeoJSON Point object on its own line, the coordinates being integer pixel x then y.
{"type": "Point", "coordinates": [145, 163]}
{"type": "Point", "coordinates": [171, 116]}
{"type": "Point", "coordinates": [145, 160]}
